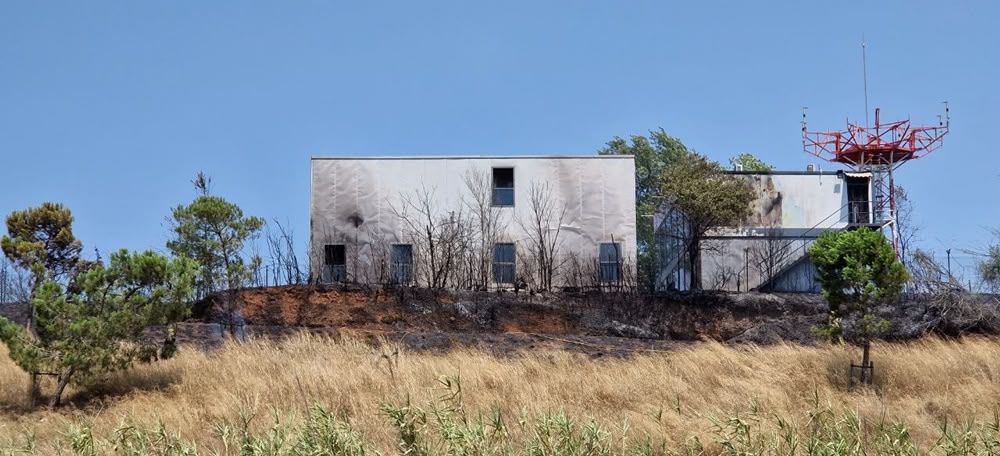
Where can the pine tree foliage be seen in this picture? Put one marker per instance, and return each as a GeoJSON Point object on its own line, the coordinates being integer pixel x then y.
{"type": "Point", "coordinates": [858, 270]}
{"type": "Point", "coordinates": [214, 232]}
{"type": "Point", "coordinates": [88, 318]}
{"type": "Point", "coordinates": [41, 240]}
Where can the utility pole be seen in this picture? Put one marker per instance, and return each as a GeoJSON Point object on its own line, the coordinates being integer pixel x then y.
{"type": "Point", "coordinates": [949, 264]}
{"type": "Point", "coordinates": [746, 259]}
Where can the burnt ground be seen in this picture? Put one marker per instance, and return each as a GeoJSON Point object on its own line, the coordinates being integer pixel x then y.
{"type": "Point", "coordinates": [210, 335]}
{"type": "Point", "coordinates": [595, 323]}
{"type": "Point", "coordinates": [419, 319]}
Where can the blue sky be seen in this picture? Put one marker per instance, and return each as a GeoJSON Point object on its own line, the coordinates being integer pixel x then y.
{"type": "Point", "coordinates": [112, 107]}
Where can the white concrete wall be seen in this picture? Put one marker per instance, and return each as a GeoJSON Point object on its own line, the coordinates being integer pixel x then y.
{"type": "Point", "coordinates": [794, 203]}
{"type": "Point", "coordinates": [806, 200]}
{"type": "Point", "coordinates": [597, 191]}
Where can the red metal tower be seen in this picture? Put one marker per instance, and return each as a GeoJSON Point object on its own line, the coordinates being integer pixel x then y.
{"type": "Point", "coordinates": [878, 150]}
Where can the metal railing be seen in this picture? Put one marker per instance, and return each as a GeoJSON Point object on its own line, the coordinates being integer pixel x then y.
{"type": "Point", "coordinates": [859, 213]}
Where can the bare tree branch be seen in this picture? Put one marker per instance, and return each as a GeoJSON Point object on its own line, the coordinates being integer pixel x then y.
{"type": "Point", "coordinates": [284, 262]}
{"type": "Point", "coordinates": [769, 254]}
{"type": "Point", "coordinates": [15, 283]}
{"type": "Point", "coordinates": [543, 225]}
{"type": "Point", "coordinates": [439, 238]}
{"type": "Point", "coordinates": [489, 222]}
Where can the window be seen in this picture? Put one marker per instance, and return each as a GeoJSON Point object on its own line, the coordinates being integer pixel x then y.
{"type": "Point", "coordinates": [335, 259]}
{"type": "Point", "coordinates": [503, 263]}
{"type": "Point", "coordinates": [610, 259]}
{"type": "Point", "coordinates": [402, 264]}
{"type": "Point", "coordinates": [503, 186]}
{"type": "Point", "coordinates": [858, 201]}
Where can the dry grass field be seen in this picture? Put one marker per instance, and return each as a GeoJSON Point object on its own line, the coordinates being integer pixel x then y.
{"type": "Point", "coordinates": [707, 398]}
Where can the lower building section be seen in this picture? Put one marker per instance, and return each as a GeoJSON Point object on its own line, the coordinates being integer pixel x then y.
{"type": "Point", "coordinates": [461, 265]}
{"type": "Point", "coordinates": [771, 263]}
{"type": "Point", "coordinates": [768, 251]}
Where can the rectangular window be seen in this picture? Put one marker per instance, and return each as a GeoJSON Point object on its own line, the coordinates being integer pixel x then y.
{"type": "Point", "coordinates": [503, 263]}
{"type": "Point", "coordinates": [335, 260]}
{"type": "Point", "coordinates": [503, 186]}
{"type": "Point", "coordinates": [858, 200]}
{"type": "Point", "coordinates": [402, 264]}
{"type": "Point", "coordinates": [610, 258]}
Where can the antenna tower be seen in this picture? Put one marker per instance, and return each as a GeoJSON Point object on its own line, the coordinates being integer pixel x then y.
{"type": "Point", "coordinates": [879, 150]}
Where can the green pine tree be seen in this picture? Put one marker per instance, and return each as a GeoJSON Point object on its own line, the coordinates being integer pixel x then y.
{"type": "Point", "coordinates": [88, 318]}
{"type": "Point", "coordinates": [41, 241]}
{"type": "Point", "coordinates": [858, 271]}
{"type": "Point", "coordinates": [214, 233]}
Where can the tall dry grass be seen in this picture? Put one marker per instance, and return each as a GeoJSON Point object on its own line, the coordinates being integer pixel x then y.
{"type": "Point", "coordinates": [671, 396]}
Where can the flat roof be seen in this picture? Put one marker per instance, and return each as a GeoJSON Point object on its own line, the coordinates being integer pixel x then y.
{"type": "Point", "coordinates": [471, 157]}
{"type": "Point", "coordinates": [788, 173]}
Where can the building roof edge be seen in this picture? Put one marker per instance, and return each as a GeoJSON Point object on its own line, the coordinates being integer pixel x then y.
{"type": "Point", "coordinates": [468, 157]}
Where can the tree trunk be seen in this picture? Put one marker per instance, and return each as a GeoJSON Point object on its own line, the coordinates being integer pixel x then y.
{"type": "Point", "coordinates": [33, 376]}
{"type": "Point", "coordinates": [234, 313]}
{"type": "Point", "coordinates": [169, 342]}
{"type": "Point", "coordinates": [63, 381]}
{"type": "Point", "coordinates": [32, 389]}
{"type": "Point", "coordinates": [866, 371]}
{"type": "Point", "coordinates": [694, 257]}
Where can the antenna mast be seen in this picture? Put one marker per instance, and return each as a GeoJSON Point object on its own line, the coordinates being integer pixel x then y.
{"type": "Point", "coordinates": [864, 67]}
{"type": "Point", "coordinates": [877, 150]}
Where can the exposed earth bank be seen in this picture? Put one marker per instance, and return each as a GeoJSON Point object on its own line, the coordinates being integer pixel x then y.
{"type": "Point", "coordinates": [596, 323]}
{"type": "Point", "coordinates": [680, 317]}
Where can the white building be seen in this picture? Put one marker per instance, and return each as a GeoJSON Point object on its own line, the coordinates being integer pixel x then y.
{"type": "Point", "coordinates": [768, 251]}
{"type": "Point", "coordinates": [473, 221]}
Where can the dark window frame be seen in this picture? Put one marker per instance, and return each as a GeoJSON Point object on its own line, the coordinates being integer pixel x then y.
{"type": "Point", "coordinates": [401, 272]}
{"type": "Point", "coordinates": [507, 192]}
{"type": "Point", "coordinates": [859, 210]}
{"type": "Point", "coordinates": [609, 269]}
{"type": "Point", "coordinates": [337, 271]}
{"type": "Point", "coordinates": [504, 272]}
